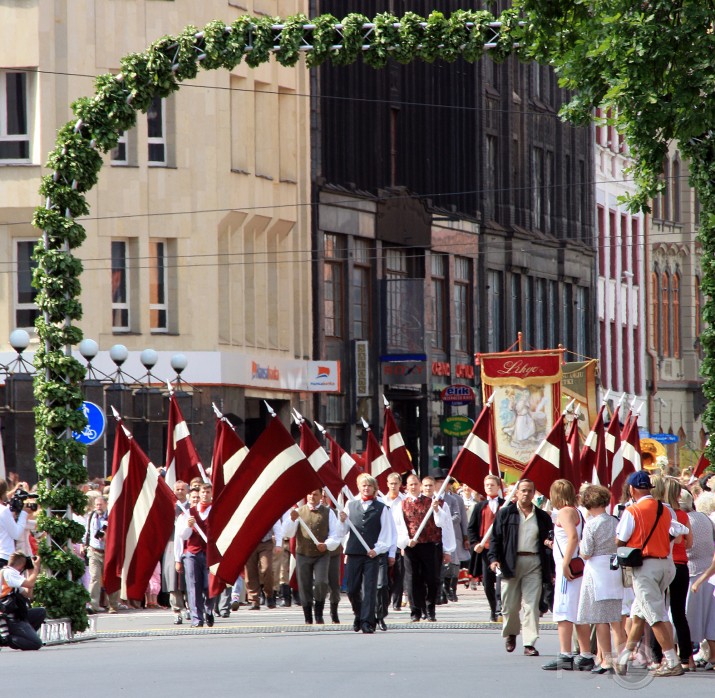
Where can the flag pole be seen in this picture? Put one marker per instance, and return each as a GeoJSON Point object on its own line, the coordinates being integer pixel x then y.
{"type": "Point", "coordinates": [298, 416]}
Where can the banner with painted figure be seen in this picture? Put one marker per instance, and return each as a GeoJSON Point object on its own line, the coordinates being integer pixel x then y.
{"type": "Point", "coordinates": [527, 400]}
{"type": "Point", "coordinates": [578, 382]}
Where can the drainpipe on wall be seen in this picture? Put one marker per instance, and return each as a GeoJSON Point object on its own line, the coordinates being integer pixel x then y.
{"type": "Point", "coordinates": [648, 305]}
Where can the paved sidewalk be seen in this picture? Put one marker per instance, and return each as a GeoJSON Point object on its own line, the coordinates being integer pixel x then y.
{"type": "Point", "coordinates": [470, 612]}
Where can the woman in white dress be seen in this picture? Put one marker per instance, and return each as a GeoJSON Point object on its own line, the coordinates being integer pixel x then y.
{"type": "Point", "coordinates": [567, 535]}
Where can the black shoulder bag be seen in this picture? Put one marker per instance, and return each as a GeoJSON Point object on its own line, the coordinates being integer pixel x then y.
{"type": "Point", "coordinates": [633, 557]}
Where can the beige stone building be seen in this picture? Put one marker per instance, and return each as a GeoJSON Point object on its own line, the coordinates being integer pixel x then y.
{"type": "Point", "coordinates": [198, 240]}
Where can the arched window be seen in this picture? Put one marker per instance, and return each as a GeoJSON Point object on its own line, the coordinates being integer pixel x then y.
{"type": "Point", "coordinates": [655, 310]}
{"type": "Point", "coordinates": [666, 192]}
{"type": "Point", "coordinates": [665, 314]}
{"type": "Point", "coordinates": [675, 314]}
{"type": "Point", "coordinates": [675, 188]}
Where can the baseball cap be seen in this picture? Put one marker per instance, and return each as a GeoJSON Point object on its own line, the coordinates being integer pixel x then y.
{"type": "Point", "coordinates": [640, 480]}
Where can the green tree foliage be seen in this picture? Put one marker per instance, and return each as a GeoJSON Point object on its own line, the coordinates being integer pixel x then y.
{"type": "Point", "coordinates": [652, 64]}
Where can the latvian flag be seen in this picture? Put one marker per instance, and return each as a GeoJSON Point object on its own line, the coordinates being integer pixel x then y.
{"type": "Point", "coordinates": [393, 445]}
{"type": "Point", "coordinates": [701, 467]}
{"type": "Point", "coordinates": [344, 463]}
{"type": "Point", "coordinates": [613, 445]}
{"type": "Point", "coordinates": [593, 453]}
{"type": "Point", "coordinates": [274, 475]}
{"type": "Point", "coordinates": [320, 460]}
{"type": "Point", "coordinates": [478, 457]}
{"type": "Point", "coordinates": [182, 460]}
{"type": "Point", "coordinates": [550, 462]}
{"type": "Point", "coordinates": [628, 459]}
{"type": "Point", "coordinates": [141, 519]}
{"type": "Point", "coordinates": [376, 463]}
{"type": "Point", "coordinates": [228, 454]}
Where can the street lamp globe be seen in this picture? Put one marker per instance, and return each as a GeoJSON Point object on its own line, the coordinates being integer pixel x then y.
{"type": "Point", "coordinates": [179, 362]}
{"type": "Point", "coordinates": [118, 353]}
{"type": "Point", "coordinates": [149, 357]}
{"type": "Point", "coordinates": [88, 348]}
{"type": "Point", "coordinates": [19, 340]}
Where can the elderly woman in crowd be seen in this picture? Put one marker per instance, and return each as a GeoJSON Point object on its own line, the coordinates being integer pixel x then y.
{"type": "Point", "coordinates": [668, 491]}
{"type": "Point", "coordinates": [601, 597]}
{"type": "Point", "coordinates": [705, 586]}
{"type": "Point", "coordinates": [567, 535]}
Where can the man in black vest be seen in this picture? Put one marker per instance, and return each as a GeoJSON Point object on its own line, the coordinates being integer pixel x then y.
{"type": "Point", "coordinates": [372, 519]}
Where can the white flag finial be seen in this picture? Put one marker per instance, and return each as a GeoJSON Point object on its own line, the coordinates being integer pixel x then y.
{"type": "Point", "coordinates": [217, 411]}
{"type": "Point", "coordinates": [170, 387]}
{"type": "Point", "coordinates": [116, 414]}
{"type": "Point", "coordinates": [386, 401]}
{"type": "Point", "coordinates": [491, 399]}
{"type": "Point", "coordinates": [365, 424]}
{"type": "Point", "coordinates": [606, 396]}
{"type": "Point", "coordinates": [569, 408]}
{"type": "Point", "coordinates": [269, 408]}
{"type": "Point", "coordinates": [321, 429]}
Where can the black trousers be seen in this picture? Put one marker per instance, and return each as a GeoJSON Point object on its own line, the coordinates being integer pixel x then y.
{"type": "Point", "coordinates": [23, 633]}
{"type": "Point", "coordinates": [491, 584]}
{"type": "Point", "coordinates": [397, 579]}
{"type": "Point", "coordinates": [678, 596]}
{"type": "Point", "coordinates": [423, 562]}
{"type": "Point", "coordinates": [382, 605]}
{"type": "Point", "coordinates": [361, 575]}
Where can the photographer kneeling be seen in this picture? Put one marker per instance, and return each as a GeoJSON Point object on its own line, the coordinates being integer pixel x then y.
{"type": "Point", "coordinates": [11, 527]}
{"type": "Point", "coordinates": [22, 621]}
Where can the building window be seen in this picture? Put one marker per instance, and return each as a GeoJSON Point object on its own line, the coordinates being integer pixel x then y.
{"type": "Point", "coordinates": [158, 299]}
{"type": "Point", "coordinates": [26, 311]}
{"type": "Point", "coordinates": [156, 124]}
{"type": "Point", "coordinates": [439, 301]}
{"type": "Point", "coordinates": [120, 287]}
{"type": "Point", "coordinates": [601, 223]}
{"type": "Point", "coordinates": [665, 314]}
{"type": "Point", "coordinates": [514, 308]}
{"type": "Point", "coordinates": [528, 310]}
{"type": "Point", "coordinates": [537, 183]}
{"type": "Point", "coordinates": [698, 309]}
{"type": "Point", "coordinates": [492, 193]}
{"type": "Point", "coordinates": [548, 191]}
{"type": "Point", "coordinates": [581, 320]}
{"type": "Point", "coordinates": [361, 289]}
{"type": "Point", "coordinates": [665, 196]}
{"type": "Point", "coordinates": [461, 304]}
{"type": "Point", "coordinates": [14, 133]}
{"type": "Point", "coordinates": [635, 240]}
{"type": "Point", "coordinates": [566, 315]}
{"type": "Point", "coordinates": [119, 154]}
{"type": "Point", "coordinates": [675, 186]}
{"type": "Point", "coordinates": [552, 305]}
{"type": "Point", "coordinates": [333, 285]}
{"type": "Point", "coordinates": [655, 310]}
{"type": "Point", "coordinates": [540, 314]}
{"type": "Point", "coordinates": [494, 311]}
{"type": "Point", "coordinates": [675, 315]}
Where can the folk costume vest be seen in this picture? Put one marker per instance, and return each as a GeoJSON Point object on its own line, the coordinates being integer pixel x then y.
{"type": "Point", "coordinates": [317, 521]}
{"type": "Point", "coordinates": [196, 543]}
{"type": "Point", "coordinates": [368, 524]}
{"type": "Point", "coordinates": [414, 511]}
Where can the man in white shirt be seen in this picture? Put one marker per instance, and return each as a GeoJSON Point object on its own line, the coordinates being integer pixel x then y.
{"type": "Point", "coordinates": [11, 529]}
{"type": "Point", "coordinates": [22, 622]}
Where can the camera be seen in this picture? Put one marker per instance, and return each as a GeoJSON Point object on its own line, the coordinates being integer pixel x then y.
{"type": "Point", "coordinates": [551, 535]}
{"type": "Point", "coordinates": [29, 562]}
{"type": "Point", "coordinates": [101, 533]}
{"type": "Point", "coordinates": [17, 503]}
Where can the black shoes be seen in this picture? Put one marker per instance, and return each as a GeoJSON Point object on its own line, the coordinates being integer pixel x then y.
{"type": "Point", "coordinates": [334, 614]}
{"type": "Point", "coordinates": [356, 625]}
{"type": "Point", "coordinates": [381, 624]}
{"type": "Point", "coordinates": [210, 620]}
{"type": "Point", "coordinates": [581, 663]}
{"type": "Point", "coordinates": [493, 618]}
{"type": "Point", "coordinates": [415, 618]}
{"type": "Point", "coordinates": [319, 612]}
{"type": "Point", "coordinates": [308, 613]}
{"type": "Point", "coordinates": [367, 629]}
{"type": "Point", "coordinates": [562, 661]}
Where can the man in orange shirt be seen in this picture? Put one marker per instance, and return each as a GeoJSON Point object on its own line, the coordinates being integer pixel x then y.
{"type": "Point", "coordinates": [648, 521]}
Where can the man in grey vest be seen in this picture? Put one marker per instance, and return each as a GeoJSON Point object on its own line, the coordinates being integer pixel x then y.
{"type": "Point", "coordinates": [371, 519]}
{"type": "Point", "coordinates": [313, 559]}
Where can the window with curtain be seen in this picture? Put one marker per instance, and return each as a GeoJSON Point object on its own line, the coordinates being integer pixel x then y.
{"type": "Point", "coordinates": [361, 289]}
{"type": "Point", "coordinates": [665, 314]}
{"type": "Point", "coordinates": [462, 302]}
{"type": "Point", "coordinates": [439, 301]}
{"type": "Point", "coordinates": [333, 285]}
{"type": "Point", "coordinates": [120, 287]}
{"type": "Point", "coordinates": [655, 311]}
{"type": "Point", "coordinates": [675, 314]}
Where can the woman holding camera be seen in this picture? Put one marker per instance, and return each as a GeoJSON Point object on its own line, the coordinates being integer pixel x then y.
{"type": "Point", "coordinates": [11, 529]}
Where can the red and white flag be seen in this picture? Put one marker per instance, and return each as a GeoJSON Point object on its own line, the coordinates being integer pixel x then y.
{"type": "Point", "coordinates": [478, 457]}
{"type": "Point", "coordinates": [274, 475]}
{"type": "Point", "coordinates": [182, 460]}
{"type": "Point", "coordinates": [346, 465]}
{"type": "Point", "coordinates": [593, 453]}
{"type": "Point", "coordinates": [628, 460]}
{"type": "Point", "coordinates": [320, 460]}
{"type": "Point", "coordinates": [393, 445]}
{"type": "Point", "coordinates": [574, 445]}
{"type": "Point", "coordinates": [228, 454]}
{"type": "Point", "coordinates": [613, 445]}
{"type": "Point", "coordinates": [376, 461]}
{"type": "Point", "coordinates": [141, 519]}
{"type": "Point", "coordinates": [550, 462]}
{"type": "Point", "coordinates": [702, 465]}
